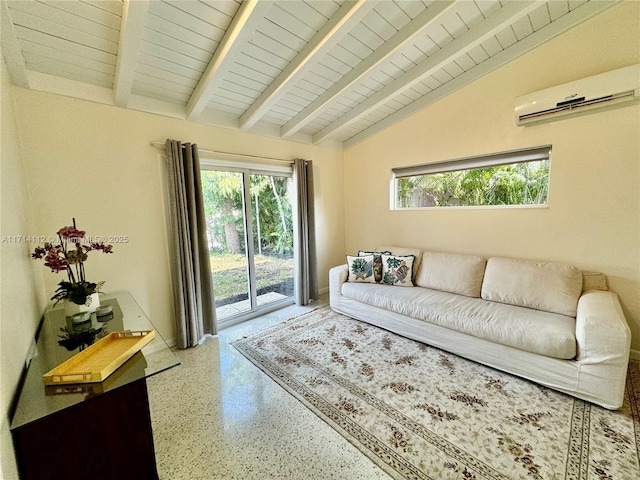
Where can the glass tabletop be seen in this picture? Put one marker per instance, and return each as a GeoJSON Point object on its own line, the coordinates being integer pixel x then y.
{"type": "Point", "coordinates": [60, 340]}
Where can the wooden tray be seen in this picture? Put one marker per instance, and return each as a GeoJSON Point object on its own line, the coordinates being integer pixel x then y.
{"type": "Point", "coordinates": [96, 388]}
{"type": "Point", "coordinates": [98, 361]}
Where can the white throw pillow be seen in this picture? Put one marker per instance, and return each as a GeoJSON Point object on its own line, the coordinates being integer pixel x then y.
{"type": "Point", "coordinates": [361, 268]}
{"type": "Point", "coordinates": [398, 270]}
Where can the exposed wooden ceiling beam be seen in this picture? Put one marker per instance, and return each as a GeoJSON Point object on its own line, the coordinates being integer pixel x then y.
{"type": "Point", "coordinates": [408, 32]}
{"type": "Point", "coordinates": [11, 50]}
{"type": "Point", "coordinates": [558, 27]}
{"type": "Point", "coordinates": [348, 15]}
{"type": "Point", "coordinates": [238, 33]}
{"type": "Point", "coordinates": [131, 30]}
{"type": "Point", "coordinates": [460, 45]}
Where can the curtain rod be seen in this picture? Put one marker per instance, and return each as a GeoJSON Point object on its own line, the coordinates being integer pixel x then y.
{"type": "Point", "coordinates": [161, 145]}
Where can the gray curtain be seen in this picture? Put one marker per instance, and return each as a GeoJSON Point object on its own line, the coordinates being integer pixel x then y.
{"type": "Point", "coordinates": [304, 240]}
{"type": "Point", "coordinates": [191, 270]}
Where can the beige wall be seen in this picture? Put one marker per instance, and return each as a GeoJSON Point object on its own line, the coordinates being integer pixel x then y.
{"type": "Point", "coordinates": [593, 217]}
{"type": "Point", "coordinates": [22, 296]}
{"type": "Point", "coordinates": [95, 163]}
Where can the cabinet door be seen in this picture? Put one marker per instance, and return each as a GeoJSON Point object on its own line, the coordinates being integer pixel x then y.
{"type": "Point", "coordinates": [107, 437]}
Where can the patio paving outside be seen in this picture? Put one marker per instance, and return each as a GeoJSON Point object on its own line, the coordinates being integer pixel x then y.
{"type": "Point", "coordinates": [243, 306]}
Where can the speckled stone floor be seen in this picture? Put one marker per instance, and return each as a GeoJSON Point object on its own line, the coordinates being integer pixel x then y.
{"type": "Point", "coordinates": [217, 416]}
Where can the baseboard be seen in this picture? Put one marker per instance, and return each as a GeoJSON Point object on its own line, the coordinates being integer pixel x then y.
{"type": "Point", "coordinates": [634, 355]}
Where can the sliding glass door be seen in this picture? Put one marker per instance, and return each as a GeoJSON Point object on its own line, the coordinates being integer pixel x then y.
{"type": "Point", "coordinates": [250, 232]}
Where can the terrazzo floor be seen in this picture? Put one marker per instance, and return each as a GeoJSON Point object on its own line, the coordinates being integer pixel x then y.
{"type": "Point", "coordinates": [217, 416]}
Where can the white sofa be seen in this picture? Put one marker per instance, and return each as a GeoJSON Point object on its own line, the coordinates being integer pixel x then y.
{"type": "Point", "coordinates": [547, 322]}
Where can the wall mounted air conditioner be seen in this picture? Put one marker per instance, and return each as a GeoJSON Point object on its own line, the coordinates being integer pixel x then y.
{"type": "Point", "coordinates": [599, 91]}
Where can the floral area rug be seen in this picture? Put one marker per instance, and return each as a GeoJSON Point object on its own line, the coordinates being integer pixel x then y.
{"type": "Point", "coordinates": [419, 412]}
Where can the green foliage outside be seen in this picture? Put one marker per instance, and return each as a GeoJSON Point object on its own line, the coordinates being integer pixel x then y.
{"type": "Point", "coordinates": [524, 183]}
{"type": "Point", "coordinates": [271, 205]}
{"type": "Point", "coordinates": [272, 233]}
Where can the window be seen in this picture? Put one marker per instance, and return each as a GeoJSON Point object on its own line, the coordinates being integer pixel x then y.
{"type": "Point", "coordinates": [518, 177]}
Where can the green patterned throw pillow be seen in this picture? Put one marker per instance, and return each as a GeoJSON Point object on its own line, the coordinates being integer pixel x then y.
{"type": "Point", "coordinates": [361, 268]}
{"type": "Point", "coordinates": [377, 262]}
{"type": "Point", "coordinates": [398, 270]}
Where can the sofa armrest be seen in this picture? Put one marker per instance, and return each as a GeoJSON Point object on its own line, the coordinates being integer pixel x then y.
{"type": "Point", "coordinates": [602, 333]}
{"type": "Point", "coordinates": [337, 276]}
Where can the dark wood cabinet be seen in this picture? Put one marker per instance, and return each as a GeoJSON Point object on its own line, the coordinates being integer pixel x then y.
{"type": "Point", "coordinates": [89, 431]}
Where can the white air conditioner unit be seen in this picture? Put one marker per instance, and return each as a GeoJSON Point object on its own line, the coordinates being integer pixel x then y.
{"type": "Point", "coordinates": [599, 91]}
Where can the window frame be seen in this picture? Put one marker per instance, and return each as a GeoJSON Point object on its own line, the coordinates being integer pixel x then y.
{"type": "Point", "coordinates": [510, 157]}
{"type": "Point", "coordinates": [246, 166]}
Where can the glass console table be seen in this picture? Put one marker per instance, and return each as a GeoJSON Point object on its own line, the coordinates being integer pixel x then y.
{"type": "Point", "coordinates": [89, 430]}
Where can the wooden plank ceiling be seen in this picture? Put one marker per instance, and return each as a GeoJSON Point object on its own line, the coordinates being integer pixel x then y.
{"type": "Point", "coordinates": [331, 72]}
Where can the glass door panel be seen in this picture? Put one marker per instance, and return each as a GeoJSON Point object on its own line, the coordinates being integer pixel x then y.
{"type": "Point", "coordinates": [225, 217]}
{"type": "Point", "coordinates": [272, 228]}
{"type": "Point", "coordinates": [250, 232]}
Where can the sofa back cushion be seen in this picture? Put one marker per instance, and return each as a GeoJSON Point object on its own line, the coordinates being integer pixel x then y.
{"type": "Point", "coordinates": [454, 273]}
{"type": "Point", "coordinates": [552, 287]}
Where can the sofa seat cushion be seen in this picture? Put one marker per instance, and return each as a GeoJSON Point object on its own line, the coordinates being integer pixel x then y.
{"type": "Point", "coordinates": [534, 331]}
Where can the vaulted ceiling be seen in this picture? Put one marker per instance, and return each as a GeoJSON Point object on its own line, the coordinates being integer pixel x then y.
{"type": "Point", "coordinates": [331, 72]}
